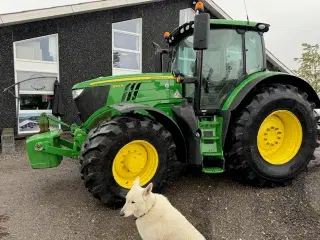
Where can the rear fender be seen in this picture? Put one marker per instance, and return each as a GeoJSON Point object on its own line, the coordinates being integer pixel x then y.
{"type": "Point", "coordinates": [247, 90]}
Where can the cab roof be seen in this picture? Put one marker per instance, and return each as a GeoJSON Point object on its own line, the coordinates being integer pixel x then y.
{"type": "Point", "coordinates": [187, 29]}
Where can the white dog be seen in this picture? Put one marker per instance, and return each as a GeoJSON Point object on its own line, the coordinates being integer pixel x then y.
{"type": "Point", "coordinates": [156, 218]}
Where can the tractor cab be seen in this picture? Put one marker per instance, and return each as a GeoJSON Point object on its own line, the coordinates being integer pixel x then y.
{"type": "Point", "coordinates": [210, 58]}
{"type": "Point", "coordinates": [229, 52]}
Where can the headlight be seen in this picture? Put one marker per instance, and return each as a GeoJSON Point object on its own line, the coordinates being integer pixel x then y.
{"type": "Point", "coordinates": [76, 93]}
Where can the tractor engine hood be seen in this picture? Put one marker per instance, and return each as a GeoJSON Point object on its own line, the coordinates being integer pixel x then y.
{"type": "Point", "coordinates": [94, 94]}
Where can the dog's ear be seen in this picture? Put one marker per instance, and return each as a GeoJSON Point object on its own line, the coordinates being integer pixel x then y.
{"type": "Point", "coordinates": [148, 189]}
{"type": "Point", "coordinates": [137, 182]}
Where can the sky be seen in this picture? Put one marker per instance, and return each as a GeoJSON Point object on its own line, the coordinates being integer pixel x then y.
{"type": "Point", "coordinates": [292, 22]}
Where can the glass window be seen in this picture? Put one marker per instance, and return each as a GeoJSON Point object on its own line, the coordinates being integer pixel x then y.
{"type": "Point", "coordinates": [223, 56]}
{"type": "Point", "coordinates": [222, 66]}
{"type": "Point", "coordinates": [127, 46]}
{"type": "Point", "coordinates": [36, 58]}
{"type": "Point", "coordinates": [36, 102]}
{"type": "Point", "coordinates": [125, 41]}
{"type": "Point", "coordinates": [38, 49]}
{"type": "Point", "coordinates": [187, 55]}
{"type": "Point", "coordinates": [29, 122]}
{"type": "Point", "coordinates": [126, 60]}
{"type": "Point", "coordinates": [133, 26]}
{"type": "Point", "coordinates": [254, 52]}
{"type": "Point", "coordinates": [41, 81]}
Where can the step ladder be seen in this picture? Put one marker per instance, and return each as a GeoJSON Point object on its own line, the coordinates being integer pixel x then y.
{"type": "Point", "coordinates": [211, 145]}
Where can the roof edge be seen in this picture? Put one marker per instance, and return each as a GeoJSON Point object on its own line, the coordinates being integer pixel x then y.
{"type": "Point", "coordinates": [99, 5]}
{"type": "Point", "coordinates": [67, 10]}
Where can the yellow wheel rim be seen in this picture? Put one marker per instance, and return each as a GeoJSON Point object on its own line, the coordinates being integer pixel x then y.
{"type": "Point", "coordinates": [137, 158]}
{"type": "Point", "coordinates": [279, 137]}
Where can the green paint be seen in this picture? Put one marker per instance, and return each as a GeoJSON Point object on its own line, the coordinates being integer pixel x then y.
{"type": "Point", "coordinates": [39, 158]}
{"type": "Point", "coordinates": [212, 170]}
{"type": "Point", "coordinates": [45, 150]}
{"type": "Point", "coordinates": [123, 79]}
{"type": "Point", "coordinates": [80, 136]}
{"type": "Point", "coordinates": [233, 22]}
{"type": "Point", "coordinates": [55, 120]}
{"type": "Point", "coordinates": [157, 93]}
{"type": "Point", "coordinates": [236, 91]}
{"type": "Point", "coordinates": [58, 150]}
{"type": "Point", "coordinates": [98, 116]}
{"type": "Point", "coordinates": [211, 144]}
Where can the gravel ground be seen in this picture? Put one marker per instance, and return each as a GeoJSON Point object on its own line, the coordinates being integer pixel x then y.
{"type": "Point", "coordinates": [53, 204]}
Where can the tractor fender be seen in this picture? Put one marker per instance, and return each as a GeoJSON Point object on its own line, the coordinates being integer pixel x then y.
{"type": "Point", "coordinates": [246, 90]}
{"type": "Point", "coordinates": [163, 119]}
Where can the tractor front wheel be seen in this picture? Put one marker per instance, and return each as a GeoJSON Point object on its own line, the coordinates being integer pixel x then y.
{"type": "Point", "coordinates": [118, 151]}
{"type": "Point", "coordinates": [273, 137]}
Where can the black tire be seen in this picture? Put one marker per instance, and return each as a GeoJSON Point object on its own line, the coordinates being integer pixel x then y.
{"type": "Point", "coordinates": [102, 145]}
{"type": "Point", "coordinates": [244, 160]}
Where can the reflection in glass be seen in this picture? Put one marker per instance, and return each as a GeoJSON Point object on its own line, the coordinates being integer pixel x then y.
{"type": "Point", "coordinates": [36, 102]}
{"type": "Point", "coordinates": [38, 49]}
{"type": "Point", "coordinates": [126, 60]}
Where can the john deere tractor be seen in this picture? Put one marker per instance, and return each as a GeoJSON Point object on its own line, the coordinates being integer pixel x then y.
{"type": "Point", "coordinates": [218, 108]}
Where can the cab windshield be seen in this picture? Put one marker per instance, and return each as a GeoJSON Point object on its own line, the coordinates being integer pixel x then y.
{"type": "Point", "coordinates": [222, 63]}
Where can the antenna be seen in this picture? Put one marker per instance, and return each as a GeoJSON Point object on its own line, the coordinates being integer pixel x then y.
{"type": "Point", "coordinates": [245, 5]}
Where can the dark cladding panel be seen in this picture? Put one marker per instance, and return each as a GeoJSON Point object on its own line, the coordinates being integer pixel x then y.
{"type": "Point", "coordinates": [85, 52]}
{"type": "Point", "coordinates": [8, 117]}
{"type": "Point", "coordinates": [157, 19]}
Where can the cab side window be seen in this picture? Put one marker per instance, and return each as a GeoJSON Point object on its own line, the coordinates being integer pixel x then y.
{"type": "Point", "coordinates": [254, 54]}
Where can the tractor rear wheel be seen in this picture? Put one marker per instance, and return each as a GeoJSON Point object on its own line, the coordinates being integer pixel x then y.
{"type": "Point", "coordinates": [118, 151]}
{"type": "Point", "coordinates": [273, 137]}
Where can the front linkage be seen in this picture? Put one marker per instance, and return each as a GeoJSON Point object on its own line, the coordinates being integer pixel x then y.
{"type": "Point", "coordinates": [46, 150]}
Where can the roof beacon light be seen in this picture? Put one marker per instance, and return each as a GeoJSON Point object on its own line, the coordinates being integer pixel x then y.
{"type": "Point", "coordinates": [199, 7]}
{"type": "Point", "coordinates": [166, 35]}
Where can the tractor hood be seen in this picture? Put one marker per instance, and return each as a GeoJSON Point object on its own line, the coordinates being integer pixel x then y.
{"type": "Point", "coordinates": [89, 96]}
{"type": "Point", "coordinates": [103, 81]}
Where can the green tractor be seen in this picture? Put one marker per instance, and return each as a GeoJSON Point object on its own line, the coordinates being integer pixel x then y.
{"type": "Point", "coordinates": [218, 108]}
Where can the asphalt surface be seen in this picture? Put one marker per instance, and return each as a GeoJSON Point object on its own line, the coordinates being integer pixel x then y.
{"type": "Point", "coordinates": [53, 204]}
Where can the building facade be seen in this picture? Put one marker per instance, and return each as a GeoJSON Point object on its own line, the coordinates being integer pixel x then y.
{"type": "Point", "coordinates": [72, 48]}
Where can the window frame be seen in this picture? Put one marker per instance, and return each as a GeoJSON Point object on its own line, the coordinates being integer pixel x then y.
{"type": "Point", "coordinates": [184, 17]}
{"type": "Point", "coordinates": [28, 65]}
{"type": "Point", "coordinates": [37, 38]}
{"type": "Point", "coordinates": [139, 52]}
{"type": "Point", "coordinates": [261, 40]}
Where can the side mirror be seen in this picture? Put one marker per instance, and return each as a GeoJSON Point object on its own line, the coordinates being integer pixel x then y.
{"type": "Point", "coordinates": [201, 31]}
{"type": "Point", "coordinates": [159, 57]}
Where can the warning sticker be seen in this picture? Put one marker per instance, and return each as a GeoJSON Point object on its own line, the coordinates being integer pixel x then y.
{"type": "Point", "coordinates": [177, 94]}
